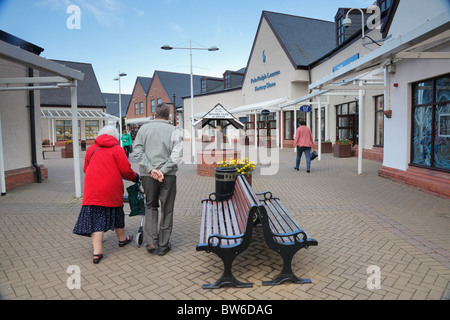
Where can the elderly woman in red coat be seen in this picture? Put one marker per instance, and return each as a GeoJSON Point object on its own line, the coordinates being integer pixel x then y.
{"type": "Point", "coordinates": [105, 165]}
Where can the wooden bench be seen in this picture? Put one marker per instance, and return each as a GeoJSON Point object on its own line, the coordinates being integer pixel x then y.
{"type": "Point", "coordinates": [226, 229]}
{"type": "Point", "coordinates": [284, 235]}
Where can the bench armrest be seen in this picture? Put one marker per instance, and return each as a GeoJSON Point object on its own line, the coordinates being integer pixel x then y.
{"type": "Point", "coordinates": [267, 195]}
{"type": "Point", "coordinates": [222, 237]}
{"type": "Point", "coordinates": [212, 194]}
{"type": "Point", "coordinates": [294, 234]}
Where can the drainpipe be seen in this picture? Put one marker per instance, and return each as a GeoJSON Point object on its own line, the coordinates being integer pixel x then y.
{"type": "Point", "coordinates": [33, 131]}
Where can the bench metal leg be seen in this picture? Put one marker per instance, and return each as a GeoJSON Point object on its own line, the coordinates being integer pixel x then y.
{"type": "Point", "coordinates": [227, 278]}
{"type": "Point", "coordinates": [286, 273]}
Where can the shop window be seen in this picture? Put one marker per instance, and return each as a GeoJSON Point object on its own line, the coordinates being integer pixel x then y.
{"type": "Point", "coordinates": [92, 127]}
{"type": "Point", "coordinates": [379, 118]}
{"type": "Point", "coordinates": [288, 125]}
{"type": "Point", "coordinates": [64, 130]}
{"type": "Point", "coordinates": [431, 123]}
{"type": "Point", "coordinates": [347, 121]}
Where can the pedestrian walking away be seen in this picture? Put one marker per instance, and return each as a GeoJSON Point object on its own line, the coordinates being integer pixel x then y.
{"type": "Point", "coordinates": [158, 150]}
{"type": "Point", "coordinates": [126, 142]}
{"type": "Point", "coordinates": [105, 165]}
{"type": "Point", "coordinates": [303, 142]}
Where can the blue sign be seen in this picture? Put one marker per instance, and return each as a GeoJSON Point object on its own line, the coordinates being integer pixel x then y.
{"type": "Point", "coordinates": [305, 108]}
{"type": "Point", "coordinates": [346, 62]}
{"type": "Point", "coordinates": [265, 112]}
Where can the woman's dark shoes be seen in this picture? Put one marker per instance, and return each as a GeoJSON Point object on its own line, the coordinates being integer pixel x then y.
{"type": "Point", "coordinates": [296, 168]}
{"type": "Point", "coordinates": [128, 239]}
{"type": "Point", "coordinates": [97, 257]}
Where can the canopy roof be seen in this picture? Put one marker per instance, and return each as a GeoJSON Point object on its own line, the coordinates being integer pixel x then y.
{"type": "Point", "coordinates": [218, 113]}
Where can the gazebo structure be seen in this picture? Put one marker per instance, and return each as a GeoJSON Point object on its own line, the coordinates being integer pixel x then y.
{"type": "Point", "coordinates": [218, 118]}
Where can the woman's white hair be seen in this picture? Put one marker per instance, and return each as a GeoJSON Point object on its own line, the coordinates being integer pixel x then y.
{"type": "Point", "coordinates": [110, 130]}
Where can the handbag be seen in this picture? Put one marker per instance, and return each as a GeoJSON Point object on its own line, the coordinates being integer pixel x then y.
{"type": "Point", "coordinates": [313, 155]}
{"type": "Point", "coordinates": [136, 199]}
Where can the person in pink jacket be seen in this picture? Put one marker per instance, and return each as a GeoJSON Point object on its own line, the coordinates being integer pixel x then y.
{"type": "Point", "coordinates": [303, 142]}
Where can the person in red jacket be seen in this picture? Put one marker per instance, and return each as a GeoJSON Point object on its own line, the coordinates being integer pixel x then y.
{"type": "Point", "coordinates": [105, 165]}
{"type": "Point", "coordinates": [303, 142]}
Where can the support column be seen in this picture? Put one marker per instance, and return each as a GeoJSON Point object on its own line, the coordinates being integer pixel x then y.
{"type": "Point", "coordinates": [76, 149]}
{"type": "Point", "coordinates": [319, 130]}
{"type": "Point", "coordinates": [361, 128]}
{"type": "Point", "coordinates": [2, 162]}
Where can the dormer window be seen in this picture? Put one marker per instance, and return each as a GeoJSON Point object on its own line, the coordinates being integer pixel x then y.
{"type": "Point", "coordinates": [340, 30]}
{"type": "Point", "coordinates": [384, 4]}
{"type": "Point", "coordinates": [204, 85]}
{"type": "Point", "coordinates": [227, 80]}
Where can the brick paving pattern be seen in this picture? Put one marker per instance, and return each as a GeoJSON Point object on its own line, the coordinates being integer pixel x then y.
{"type": "Point", "coordinates": [358, 220]}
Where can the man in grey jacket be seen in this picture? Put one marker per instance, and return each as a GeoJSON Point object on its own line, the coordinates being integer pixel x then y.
{"type": "Point", "coordinates": [158, 150]}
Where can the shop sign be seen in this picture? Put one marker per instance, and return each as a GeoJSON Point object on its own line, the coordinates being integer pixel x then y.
{"type": "Point", "coordinates": [265, 112]}
{"type": "Point", "coordinates": [305, 108]}
{"type": "Point", "coordinates": [346, 62]}
{"type": "Point", "coordinates": [263, 77]}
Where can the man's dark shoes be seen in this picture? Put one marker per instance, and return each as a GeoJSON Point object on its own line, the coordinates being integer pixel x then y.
{"type": "Point", "coordinates": [162, 252]}
{"type": "Point", "coordinates": [151, 247]}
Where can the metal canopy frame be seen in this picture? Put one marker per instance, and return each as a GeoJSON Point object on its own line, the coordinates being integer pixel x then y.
{"type": "Point", "coordinates": [64, 77]}
{"type": "Point", "coordinates": [83, 114]}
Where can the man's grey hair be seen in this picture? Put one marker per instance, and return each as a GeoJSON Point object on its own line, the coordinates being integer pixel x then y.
{"type": "Point", "coordinates": [110, 130]}
{"type": "Point", "coordinates": [162, 111]}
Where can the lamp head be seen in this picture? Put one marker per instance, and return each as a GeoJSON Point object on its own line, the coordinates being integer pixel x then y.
{"type": "Point", "coordinates": [213, 48]}
{"type": "Point", "coordinates": [347, 22]}
{"type": "Point", "coordinates": [166, 47]}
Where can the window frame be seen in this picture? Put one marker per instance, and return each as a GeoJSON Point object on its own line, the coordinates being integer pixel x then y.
{"type": "Point", "coordinates": [433, 104]}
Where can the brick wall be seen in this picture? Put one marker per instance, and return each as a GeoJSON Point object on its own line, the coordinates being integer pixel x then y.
{"type": "Point", "coordinates": [19, 177]}
{"type": "Point", "coordinates": [430, 181]}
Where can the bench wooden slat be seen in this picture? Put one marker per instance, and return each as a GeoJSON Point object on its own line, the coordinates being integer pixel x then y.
{"type": "Point", "coordinates": [287, 216]}
{"type": "Point", "coordinates": [229, 213]}
{"type": "Point", "coordinates": [277, 224]}
{"type": "Point", "coordinates": [203, 224]}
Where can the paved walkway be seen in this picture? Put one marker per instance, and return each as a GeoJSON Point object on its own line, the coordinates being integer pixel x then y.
{"type": "Point", "coordinates": [359, 221]}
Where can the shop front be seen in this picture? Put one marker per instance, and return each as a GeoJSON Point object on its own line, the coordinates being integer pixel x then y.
{"type": "Point", "coordinates": [56, 124]}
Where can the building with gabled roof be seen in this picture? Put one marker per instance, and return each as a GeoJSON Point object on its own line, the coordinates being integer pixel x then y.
{"type": "Point", "coordinates": [164, 87]}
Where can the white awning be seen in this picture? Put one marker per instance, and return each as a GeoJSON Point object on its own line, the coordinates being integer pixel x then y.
{"type": "Point", "coordinates": [272, 105]}
{"type": "Point", "coordinates": [82, 114]}
{"type": "Point", "coordinates": [139, 120]}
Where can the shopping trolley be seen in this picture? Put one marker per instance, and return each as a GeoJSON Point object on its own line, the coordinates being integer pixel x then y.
{"type": "Point", "coordinates": [136, 200]}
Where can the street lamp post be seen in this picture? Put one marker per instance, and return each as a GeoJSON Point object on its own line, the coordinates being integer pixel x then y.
{"type": "Point", "coordinates": [121, 74]}
{"type": "Point", "coordinates": [213, 48]}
